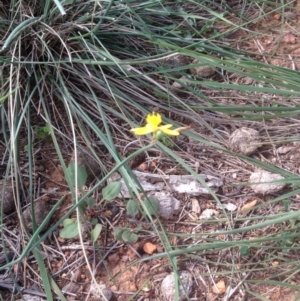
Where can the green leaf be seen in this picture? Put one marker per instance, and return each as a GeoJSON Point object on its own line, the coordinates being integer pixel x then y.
{"type": "Point", "coordinates": [70, 231]}
{"type": "Point", "coordinates": [118, 233]}
{"type": "Point", "coordinates": [90, 202]}
{"type": "Point", "coordinates": [132, 208]}
{"type": "Point", "coordinates": [68, 221]}
{"type": "Point", "coordinates": [287, 204]}
{"type": "Point", "coordinates": [93, 221]}
{"type": "Point", "coordinates": [244, 251]}
{"type": "Point", "coordinates": [82, 208]}
{"type": "Point", "coordinates": [42, 132]}
{"type": "Point", "coordinates": [128, 236]}
{"type": "Point", "coordinates": [81, 175]}
{"type": "Point", "coordinates": [111, 191]}
{"type": "Point", "coordinates": [96, 232]}
{"type": "Point", "coordinates": [152, 205]}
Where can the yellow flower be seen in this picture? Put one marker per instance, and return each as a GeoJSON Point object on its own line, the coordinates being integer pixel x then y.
{"type": "Point", "coordinates": [153, 125]}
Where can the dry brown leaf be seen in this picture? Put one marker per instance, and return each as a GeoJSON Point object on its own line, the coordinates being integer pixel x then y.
{"type": "Point", "coordinates": [275, 263]}
{"type": "Point", "coordinates": [107, 213]}
{"type": "Point", "coordinates": [142, 167]}
{"type": "Point", "coordinates": [149, 248]}
{"type": "Point", "coordinates": [219, 288]}
{"type": "Point", "coordinates": [195, 205]}
{"type": "Point", "coordinates": [249, 205]}
{"type": "Point", "coordinates": [277, 16]}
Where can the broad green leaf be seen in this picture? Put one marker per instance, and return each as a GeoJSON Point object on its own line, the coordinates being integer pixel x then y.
{"type": "Point", "coordinates": [128, 236]}
{"type": "Point", "coordinates": [82, 207]}
{"type": "Point", "coordinates": [96, 232]}
{"type": "Point", "coordinates": [152, 205]}
{"type": "Point", "coordinates": [81, 175]}
{"type": "Point", "coordinates": [68, 221]}
{"type": "Point", "coordinates": [94, 221]}
{"type": "Point", "coordinates": [90, 202]}
{"type": "Point", "coordinates": [111, 191]}
{"type": "Point", "coordinates": [244, 251]}
{"type": "Point", "coordinates": [70, 231]}
{"type": "Point", "coordinates": [118, 233]}
{"type": "Point", "coordinates": [132, 208]}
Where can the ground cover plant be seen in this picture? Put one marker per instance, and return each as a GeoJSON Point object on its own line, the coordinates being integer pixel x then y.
{"type": "Point", "coordinates": [77, 79]}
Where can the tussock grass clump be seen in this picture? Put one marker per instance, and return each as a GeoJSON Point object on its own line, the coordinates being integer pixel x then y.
{"type": "Point", "coordinates": [80, 74]}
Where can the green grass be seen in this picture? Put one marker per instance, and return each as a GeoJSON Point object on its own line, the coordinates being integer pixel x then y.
{"type": "Point", "coordinates": [89, 71]}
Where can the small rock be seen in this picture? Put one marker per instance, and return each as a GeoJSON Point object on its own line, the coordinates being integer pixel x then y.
{"type": "Point", "coordinates": [168, 286]}
{"type": "Point", "coordinates": [149, 248]}
{"type": "Point", "coordinates": [41, 210]}
{"type": "Point", "coordinates": [70, 288]}
{"type": "Point", "coordinates": [202, 71]}
{"type": "Point", "coordinates": [244, 140]}
{"type": "Point", "coordinates": [176, 61]}
{"type": "Point", "coordinates": [8, 197]}
{"type": "Point", "coordinates": [177, 85]}
{"type": "Point", "coordinates": [85, 158]}
{"type": "Point", "coordinates": [95, 291]}
{"type": "Point", "coordinates": [264, 178]}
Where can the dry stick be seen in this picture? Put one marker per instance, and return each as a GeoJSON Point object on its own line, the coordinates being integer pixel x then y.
{"type": "Point", "coordinates": [23, 290]}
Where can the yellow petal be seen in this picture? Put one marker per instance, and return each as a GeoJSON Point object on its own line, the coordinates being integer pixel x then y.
{"type": "Point", "coordinates": [143, 130]}
{"type": "Point", "coordinates": [154, 119]}
{"type": "Point", "coordinates": [166, 129]}
{"type": "Point", "coordinates": [166, 126]}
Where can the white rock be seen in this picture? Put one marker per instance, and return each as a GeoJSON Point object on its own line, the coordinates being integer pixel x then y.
{"type": "Point", "coordinates": [168, 286]}
{"type": "Point", "coordinates": [207, 213]}
{"type": "Point", "coordinates": [263, 178]}
{"type": "Point", "coordinates": [229, 206]}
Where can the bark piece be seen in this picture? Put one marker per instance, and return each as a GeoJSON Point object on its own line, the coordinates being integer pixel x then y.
{"type": "Point", "coordinates": [7, 196]}
{"type": "Point", "coordinates": [168, 205]}
{"type": "Point", "coordinates": [172, 183]}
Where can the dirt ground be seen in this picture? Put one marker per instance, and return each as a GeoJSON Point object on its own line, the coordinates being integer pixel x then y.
{"type": "Point", "coordinates": [111, 260]}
